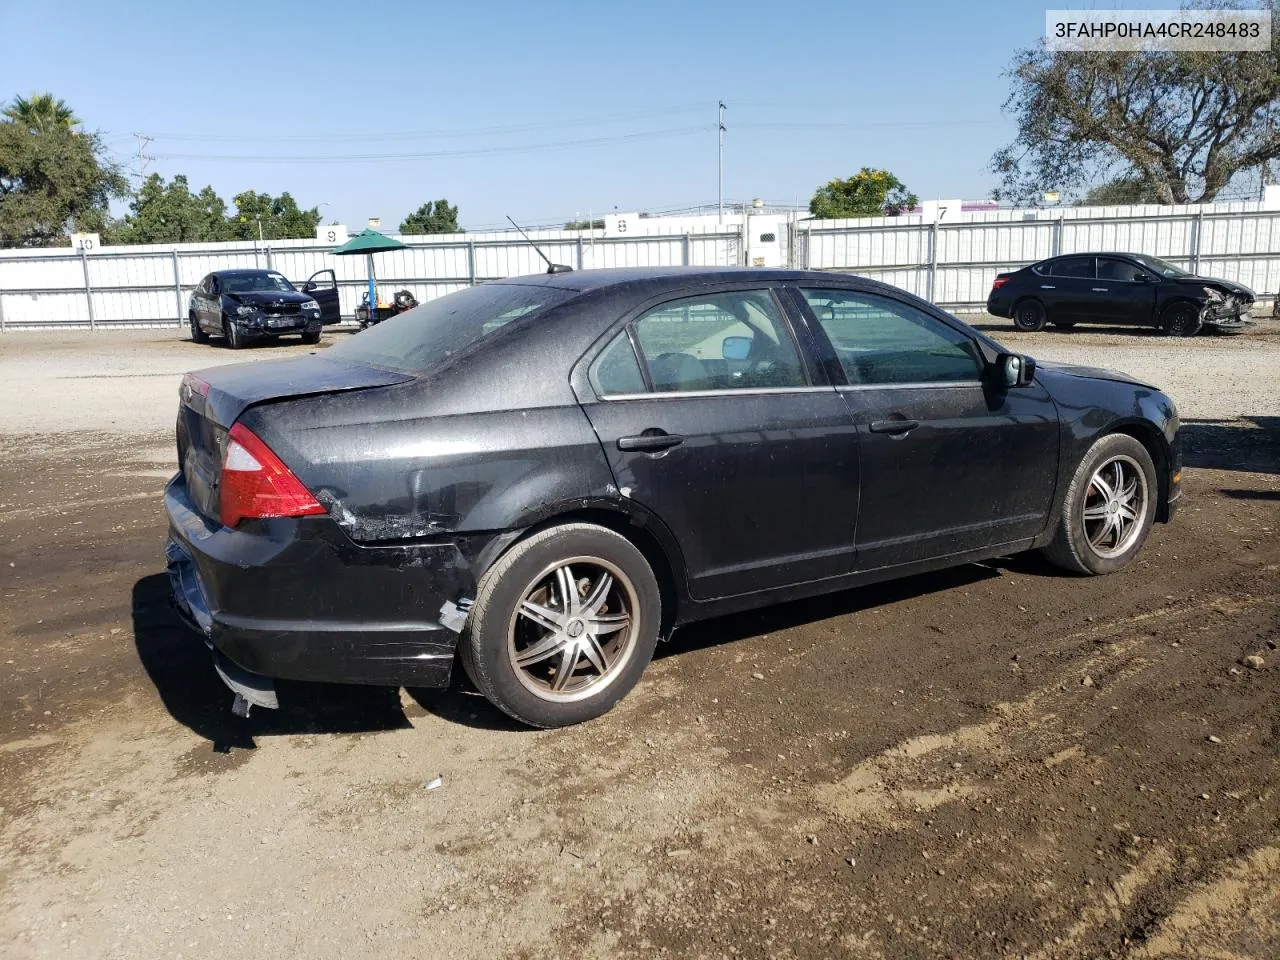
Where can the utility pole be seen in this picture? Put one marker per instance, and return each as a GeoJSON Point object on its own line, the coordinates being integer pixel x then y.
{"type": "Point", "coordinates": [720, 171]}
{"type": "Point", "coordinates": [144, 158]}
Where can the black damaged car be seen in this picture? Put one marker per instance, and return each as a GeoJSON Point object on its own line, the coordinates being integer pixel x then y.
{"type": "Point", "coordinates": [1118, 288]}
{"type": "Point", "coordinates": [242, 306]}
{"type": "Point", "coordinates": [540, 477]}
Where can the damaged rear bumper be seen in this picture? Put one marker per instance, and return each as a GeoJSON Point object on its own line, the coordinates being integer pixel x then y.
{"type": "Point", "coordinates": [296, 599]}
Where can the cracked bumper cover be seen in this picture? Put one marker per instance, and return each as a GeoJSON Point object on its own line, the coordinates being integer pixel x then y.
{"type": "Point", "coordinates": [296, 599]}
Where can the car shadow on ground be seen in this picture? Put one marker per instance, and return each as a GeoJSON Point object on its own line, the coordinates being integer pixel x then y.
{"type": "Point", "coordinates": [740, 626]}
{"type": "Point", "coordinates": [1250, 444]}
{"type": "Point", "coordinates": [996, 328]}
{"type": "Point", "coordinates": [180, 666]}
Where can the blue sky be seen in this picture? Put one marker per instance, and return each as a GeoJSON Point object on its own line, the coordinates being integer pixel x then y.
{"type": "Point", "coordinates": [814, 91]}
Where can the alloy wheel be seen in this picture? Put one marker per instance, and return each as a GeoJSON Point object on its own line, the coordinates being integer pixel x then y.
{"type": "Point", "coordinates": [574, 629]}
{"type": "Point", "coordinates": [1114, 506]}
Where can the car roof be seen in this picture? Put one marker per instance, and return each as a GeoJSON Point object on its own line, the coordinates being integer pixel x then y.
{"type": "Point", "coordinates": [1090, 253]}
{"type": "Point", "coordinates": [584, 280]}
{"type": "Point", "coordinates": [240, 272]}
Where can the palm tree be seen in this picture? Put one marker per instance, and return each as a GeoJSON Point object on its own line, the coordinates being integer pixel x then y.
{"type": "Point", "coordinates": [40, 112]}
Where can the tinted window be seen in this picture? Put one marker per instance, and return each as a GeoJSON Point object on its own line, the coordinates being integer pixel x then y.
{"type": "Point", "coordinates": [1121, 270]}
{"type": "Point", "coordinates": [1074, 267]}
{"type": "Point", "coordinates": [1161, 267]}
{"type": "Point", "coordinates": [617, 370]}
{"type": "Point", "coordinates": [430, 334]}
{"type": "Point", "coordinates": [879, 340]}
{"type": "Point", "coordinates": [722, 341]}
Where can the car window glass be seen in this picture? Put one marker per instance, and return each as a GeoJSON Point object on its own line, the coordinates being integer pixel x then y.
{"type": "Point", "coordinates": [428, 335]}
{"type": "Point", "coordinates": [1109, 269]}
{"type": "Point", "coordinates": [1074, 267]}
{"type": "Point", "coordinates": [884, 341]}
{"type": "Point", "coordinates": [617, 370]}
{"type": "Point", "coordinates": [720, 341]}
{"type": "Point", "coordinates": [255, 282]}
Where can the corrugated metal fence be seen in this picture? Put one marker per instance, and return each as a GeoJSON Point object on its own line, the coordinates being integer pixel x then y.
{"type": "Point", "coordinates": [950, 263]}
{"type": "Point", "coordinates": [953, 264]}
{"type": "Point", "coordinates": [151, 284]}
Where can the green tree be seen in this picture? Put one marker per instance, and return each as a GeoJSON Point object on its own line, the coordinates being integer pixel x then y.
{"type": "Point", "coordinates": [40, 112]}
{"type": "Point", "coordinates": [54, 180]}
{"type": "Point", "coordinates": [868, 193]}
{"type": "Point", "coordinates": [1122, 190]}
{"type": "Point", "coordinates": [585, 224]}
{"type": "Point", "coordinates": [1186, 122]}
{"type": "Point", "coordinates": [434, 216]}
{"type": "Point", "coordinates": [171, 213]}
{"type": "Point", "coordinates": [280, 217]}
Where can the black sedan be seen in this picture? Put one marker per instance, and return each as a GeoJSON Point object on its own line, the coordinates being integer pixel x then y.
{"type": "Point", "coordinates": [247, 305]}
{"type": "Point", "coordinates": [1118, 288]}
{"type": "Point", "coordinates": [542, 476]}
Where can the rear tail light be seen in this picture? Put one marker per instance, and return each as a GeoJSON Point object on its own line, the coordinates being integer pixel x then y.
{"type": "Point", "coordinates": [999, 282]}
{"type": "Point", "coordinates": [256, 483]}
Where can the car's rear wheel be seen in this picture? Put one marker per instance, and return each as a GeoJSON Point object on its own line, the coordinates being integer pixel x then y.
{"type": "Point", "coordinates": [1029, 315]}
{"type": "Point", "coordinates": [232, 333]}
{"type": "Point", "coordinates": [1109, 508]}
{"type": "Point", "coordinates": [1181, 319]}
{"type": "Point", "coordinates": [563, 625]}
{"type": "Point", "coordinates": [197, 332]}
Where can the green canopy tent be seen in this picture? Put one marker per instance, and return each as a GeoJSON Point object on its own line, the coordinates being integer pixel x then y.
{"type": "Point", "coordinates": [369, 242]}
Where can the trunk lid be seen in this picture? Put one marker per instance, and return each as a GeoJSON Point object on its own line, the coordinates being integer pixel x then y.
{"type": "Point", "coordinates": [211, 400]}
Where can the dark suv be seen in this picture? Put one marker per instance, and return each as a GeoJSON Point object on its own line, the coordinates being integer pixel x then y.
{"type": "Point", "coordinates": [246, 305]}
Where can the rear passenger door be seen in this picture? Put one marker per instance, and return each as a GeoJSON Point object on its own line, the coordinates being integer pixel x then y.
{"type": "Point", "coordinates": [714, 420]}
{"type": "Point", "coordinates": [1072, 280]}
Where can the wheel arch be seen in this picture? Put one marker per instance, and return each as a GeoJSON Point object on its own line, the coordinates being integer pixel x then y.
{"type": "Point", "coordinates": [655, 543]}
{"type": "Point", "coordinates": [1147, 434]}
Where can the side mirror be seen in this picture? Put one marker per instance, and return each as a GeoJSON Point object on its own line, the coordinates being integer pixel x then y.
{"type": "Point", "coordinates": [736, 348]}
{"type": "Point", "coordinates": [1015, 370]}
{"type": "Point", "coordinates": [309, 286]}
{"type": "Point", "coordinates": [1140, 278]}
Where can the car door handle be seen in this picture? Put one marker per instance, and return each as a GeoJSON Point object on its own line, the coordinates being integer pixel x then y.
{"type": "Point", "coordinates": [1046, 286]}
{"type": "Point", "coordinates": [1099, 289]}
{"type": "Point", "coordinates": [650, 442]}
{"type": "Point", "coordinates": [894, 426]}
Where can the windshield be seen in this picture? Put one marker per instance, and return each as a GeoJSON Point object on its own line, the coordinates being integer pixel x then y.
{"type": "Point", "coordinates": [1160, 267]}
{"type": "Point", "coordinates": [250, 282]}
{"type": "Point", "coordinates": [428, 335]}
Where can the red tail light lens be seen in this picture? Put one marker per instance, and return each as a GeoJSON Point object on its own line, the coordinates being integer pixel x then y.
{"type": "Point", "coordinates": [999, 282]}
{"type": "Point", "coordinates": [256, 483]}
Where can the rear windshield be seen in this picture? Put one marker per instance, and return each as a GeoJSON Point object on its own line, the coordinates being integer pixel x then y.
{"type": "Point", "coordinates": [430, 334]}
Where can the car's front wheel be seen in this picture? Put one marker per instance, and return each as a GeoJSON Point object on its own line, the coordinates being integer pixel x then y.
{"type": "Point", "coordinates": [1109, 508]}
{"type": "Point", "coordinates": [311, 337]}
{"type": "Point", "coordinates": [563, 625]}
{"type": "Point", "coordinates": [230, 330]}
{"type": "Point", "coordinates": [1029, 315]}
{"type": "Point", "coordinates": [1181, 319]}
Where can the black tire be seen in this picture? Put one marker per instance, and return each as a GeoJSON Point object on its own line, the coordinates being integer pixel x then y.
{"type": "Point", "coordinates": [1180, 319]}
{"type": "Point", "coordinates": [232, 334]}
{"type": "Point", "coordinates": [1064, 324]}
{"type": "Point", "coordinates": [197, 332]}
{"type": "Point", "coordinates": [1075, 544]}
{"type": "Point", "coordinates": [1029, 315]}
{"type": "Point", "coordinates": [311, 337]}
{"type": "Point", "coordinates": [496, 632]}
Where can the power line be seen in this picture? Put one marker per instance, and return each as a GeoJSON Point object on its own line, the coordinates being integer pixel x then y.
{"type": "Point", "coordinates": [427, 135]}
{"type": "Point", "coordinates": [435, 155]}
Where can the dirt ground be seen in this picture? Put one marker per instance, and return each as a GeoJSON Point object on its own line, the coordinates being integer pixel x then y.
{"type": "Point", "coordinates": [992, 761]}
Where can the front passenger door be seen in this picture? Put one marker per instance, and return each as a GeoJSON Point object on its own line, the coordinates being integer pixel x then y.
{"type": "Point", "coordinates": [323, 287]}
{"type": "Point", "coordinates": [950, 461]}
{"type": "Point", "coordinates": [712, 420]}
